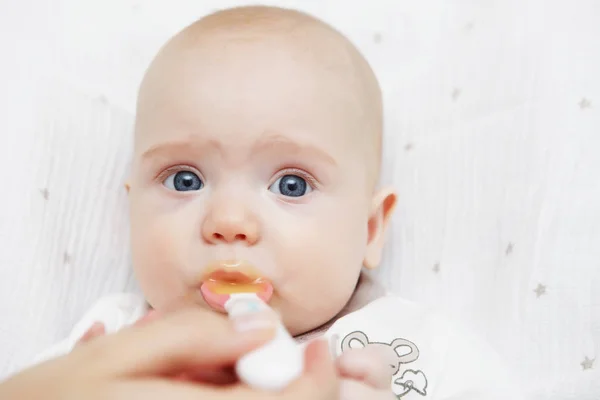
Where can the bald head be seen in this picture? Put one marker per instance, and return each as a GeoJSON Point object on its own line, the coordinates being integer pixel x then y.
{"type": "Point", "coordinates": [258, 136]}
{"type": "Point", "coordinates": [279, 38]}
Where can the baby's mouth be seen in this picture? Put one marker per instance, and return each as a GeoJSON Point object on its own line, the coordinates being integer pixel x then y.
{"type": "Point", "coordinates": [221, 281]}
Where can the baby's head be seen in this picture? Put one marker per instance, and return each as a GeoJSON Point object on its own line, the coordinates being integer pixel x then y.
{"type": "Point", "coordinates": [257, 140]}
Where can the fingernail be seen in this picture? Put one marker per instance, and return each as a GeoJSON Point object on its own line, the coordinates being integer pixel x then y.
{"type": "Point", "coordinates": [258, 321]}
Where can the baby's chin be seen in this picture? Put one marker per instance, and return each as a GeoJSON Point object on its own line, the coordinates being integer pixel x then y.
{"type": "Point", "coordinates": [301, 319]}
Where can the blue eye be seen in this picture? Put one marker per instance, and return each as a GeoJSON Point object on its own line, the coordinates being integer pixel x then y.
{"type": "Point", "coordinates": [291, 186]}
{"type": "Point", "coordinates": [184, 181]}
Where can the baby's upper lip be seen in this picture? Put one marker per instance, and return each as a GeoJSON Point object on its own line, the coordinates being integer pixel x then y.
{"type": "Point", "coordinates": [233, 272]}
{"type": "Point", "coordinates": [231, 277]}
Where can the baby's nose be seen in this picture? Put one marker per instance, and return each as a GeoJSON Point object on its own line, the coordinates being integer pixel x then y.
{"type": "Point", "coordinates": [229, 223]}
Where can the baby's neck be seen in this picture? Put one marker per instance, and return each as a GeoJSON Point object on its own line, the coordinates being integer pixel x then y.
{"type": "Point", "coordinates": [366, 291]}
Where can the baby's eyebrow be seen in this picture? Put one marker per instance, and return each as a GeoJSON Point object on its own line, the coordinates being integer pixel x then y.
{"type": "Point", "coordinates": [282, 144]}
{"type": "Point", "coordinates": [267, 143]}
{"type": "Point", "coordinates": [178, 147]}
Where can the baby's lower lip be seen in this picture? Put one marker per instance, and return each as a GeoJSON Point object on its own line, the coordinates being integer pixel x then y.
{"type": "Point", "coordinates": [217, 293]}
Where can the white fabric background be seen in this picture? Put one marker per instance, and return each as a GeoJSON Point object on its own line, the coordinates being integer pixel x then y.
{"type": "Point", "coordinates": [493, 141]}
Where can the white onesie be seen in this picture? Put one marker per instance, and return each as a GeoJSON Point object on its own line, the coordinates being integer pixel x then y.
{"type": "Point", "coordinates": [429, 356]}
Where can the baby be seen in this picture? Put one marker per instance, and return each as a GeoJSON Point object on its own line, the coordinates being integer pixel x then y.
{"type": "Point", "coordinates": [257, 148]}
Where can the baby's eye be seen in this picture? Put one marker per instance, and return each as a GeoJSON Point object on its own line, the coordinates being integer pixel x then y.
{"type": "Point", "coordinates": [183, 181]}
{"type": "Point", "coordinates": [291, 186]}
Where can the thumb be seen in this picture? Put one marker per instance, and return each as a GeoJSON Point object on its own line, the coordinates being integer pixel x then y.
{"type": "Point", "coordinates": [97, 329]}
{"type": "Point", "coordinates": [320, 380]}
{"type": "Point", "coordinates": [367, 365]}
{"type": "Point", "coordinates": [177, 342]}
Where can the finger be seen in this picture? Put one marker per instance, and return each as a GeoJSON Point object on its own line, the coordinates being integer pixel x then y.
{"type": "Point", "coordinates": [97, 329]}
{"type": "Point", "coordinates": [366, 365]}
{"type": "Point", "coordinates": [318, 383]}
{"type": "Point", "coordinates": [214, 376]}
{"type": "Point", "coordinates": [150, 316]}
{"type": "Point", "coordinates": [182, 341]}
{"type": "Point", "coordinates": [160, 389]}
{"type": "Point", "coordinates": [320, 380]}
{"type": "Point", "coordinates": [356, 390]}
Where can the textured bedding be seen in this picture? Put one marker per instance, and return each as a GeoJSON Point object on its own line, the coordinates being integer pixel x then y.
{"type": "Point", "coordinates": [493, 114]}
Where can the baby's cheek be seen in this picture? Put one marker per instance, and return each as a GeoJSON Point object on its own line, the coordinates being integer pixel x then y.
{"type": "Point", "coordinates": [317, 304]}
{"type": "Point", "coordinates": [316, 293]}
{"type": "Point", "coordinates": [322, 262]}
{"type": "Point", "coordinates": [156, 266]}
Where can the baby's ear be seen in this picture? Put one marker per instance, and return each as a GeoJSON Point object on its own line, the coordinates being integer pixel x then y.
{"type": "Point", "coordinates": [382, 208]}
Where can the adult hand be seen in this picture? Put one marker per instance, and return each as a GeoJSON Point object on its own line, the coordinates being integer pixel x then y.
{"type": "Point", "coordinates": [98, 329]}
{"type": "Point", "coordinates": [365, 374]}
{"type": "Point", "coordinates": [140, 361]}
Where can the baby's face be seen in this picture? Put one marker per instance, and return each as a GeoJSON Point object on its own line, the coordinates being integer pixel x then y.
{"type": "Point", "coordinates": [245, 154]}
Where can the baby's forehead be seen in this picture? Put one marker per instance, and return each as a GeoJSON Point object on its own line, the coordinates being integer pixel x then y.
{"type": "Point", "coordinates": [313, 50]}
{"type": "Point", "coordinates": [262, 86]}
{"type": "Point", "coordinates": [282, 39]}
{"type": "Point", "coordinates": [292, 65]}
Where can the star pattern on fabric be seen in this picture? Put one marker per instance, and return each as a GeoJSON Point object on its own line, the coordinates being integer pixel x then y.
{"type": "Point", "coordinates": [66, 258]}
{"type": "Point", "coordinates": [436, 268]}
{"type": "Point", "coordinates": [587, 363]}
{"type": "Point", "coordinates": [45, 193]}
{"type": "Point", "coordinates": [540, 290]}
{"type": "Point", "coordinates": [102, 99]}
{"type": "Point", "coordinates": [585, 103]}
{"type": "Point", "coordinates": [509, 248]}
{"type": "Point", "coordinates": [455, 94]}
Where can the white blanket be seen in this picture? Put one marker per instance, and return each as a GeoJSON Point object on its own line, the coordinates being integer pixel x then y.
{"type": "Point", "coordinates": [493, 114]}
